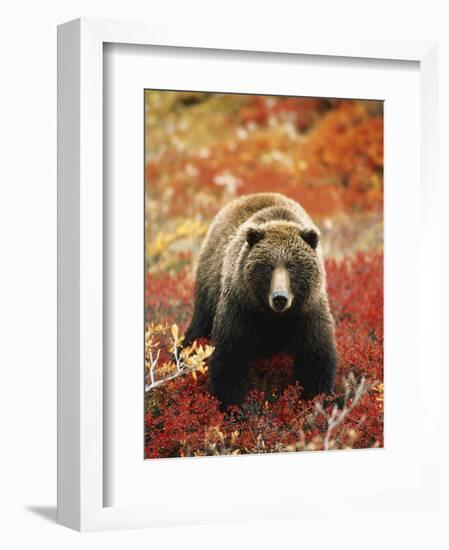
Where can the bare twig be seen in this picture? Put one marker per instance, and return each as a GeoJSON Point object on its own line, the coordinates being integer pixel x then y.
{"type": "Point", "coordinates": [190, 359]}
{"type": "Point", "coordinates": [153, 363]}
{"type": "Point", "coordinates": [337, 416]}
{"type": "Point", "coordinates": [155, 384]}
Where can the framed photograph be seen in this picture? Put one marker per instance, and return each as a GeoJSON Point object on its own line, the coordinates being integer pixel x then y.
{"type": "Point", "coordinates": [242, 284]}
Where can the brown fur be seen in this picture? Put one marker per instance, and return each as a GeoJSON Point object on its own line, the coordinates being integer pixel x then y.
{"type": "Point", "coordinates": [248, 239]}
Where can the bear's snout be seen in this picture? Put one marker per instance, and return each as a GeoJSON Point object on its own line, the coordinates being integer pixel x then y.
{"type": "Point", "coordinates": [280, 297]}
{"type": "Point", "coordinates": [280, 300]}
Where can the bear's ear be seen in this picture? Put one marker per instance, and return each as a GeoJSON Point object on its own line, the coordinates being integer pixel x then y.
{"type": "Point", "coordinates": [254, 235]}
{"type": "Point", "coordinates": [311, 237]}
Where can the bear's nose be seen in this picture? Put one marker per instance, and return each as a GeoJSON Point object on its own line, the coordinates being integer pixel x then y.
{"type": "Point", "coordinates": [279, 300]}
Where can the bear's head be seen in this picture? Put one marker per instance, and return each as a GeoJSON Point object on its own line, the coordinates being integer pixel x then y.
{"type": "Point", "coordinates": [283, 268]}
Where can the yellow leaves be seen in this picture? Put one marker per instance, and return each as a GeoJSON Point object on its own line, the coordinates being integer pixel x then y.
{"type": "Point", "coordinates": [217, 442]}
{"type": "Point", "coordinates": [214, 434]}
{"type": "Point", "coordinates": [352, 436]}
{"type": "Point", "coordinates": [234, 437]}
{"type": "Point", "coordinates": [159, 244]}
{"type": "Point", "coordinates": [187, 229]}
{"type": "Point", "coordinates": [302, 165]}
{"type": "Point", "coordinates": [379, 389]}
{"type": "Point", "coordinates": [190, 228]}
{"type": "Point", "coordinates": [195, 356]}
{"type": "Point", "coordinates": [190, 359]}
{"type": "Point", "coordinates": [175, 333]}
{"type": "Point", "coordinates": [315, 445]}
{"type": "Point", "coordinates": [155, 328]}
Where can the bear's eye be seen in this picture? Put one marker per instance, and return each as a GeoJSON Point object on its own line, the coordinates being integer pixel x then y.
{"type": "Point", "coordinates": [291, 267]}
{"type": "Point", "coordinates": [267, 268]}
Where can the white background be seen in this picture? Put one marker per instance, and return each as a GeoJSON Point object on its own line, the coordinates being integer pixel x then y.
{"type": "Point", "coordinates": [28, 270]}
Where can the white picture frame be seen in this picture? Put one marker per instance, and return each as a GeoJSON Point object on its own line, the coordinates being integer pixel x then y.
{"type": "Point", "coordinates": [82, 491]}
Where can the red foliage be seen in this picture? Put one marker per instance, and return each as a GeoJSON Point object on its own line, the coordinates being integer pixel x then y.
{"type": "Point", "coordinates": [177, 423]}
{"type": "Point", "coordinates": [332, 164]}
{"type": "Point", "coordinates": [168, 298]}
{"type": "Point", "coordinates": [303, 112]}
{"type": "Point", "coordinates": [347, 151]}
{"type": "Point", "coordinates": [183, 419]}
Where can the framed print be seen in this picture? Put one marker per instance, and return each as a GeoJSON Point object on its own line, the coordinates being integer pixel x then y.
{"type": "Point", "coordinates": [235, 271]}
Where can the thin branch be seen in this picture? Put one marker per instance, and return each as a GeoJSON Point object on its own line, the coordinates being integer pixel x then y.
{"type": "Point", "coordinates": [153, 385]}
{"type": "Point", "coordinates": [186, 361]}
{"type": "Point", "coordinates": [337, 416]}
{"type": "Point", "coordinates": [153, 363]}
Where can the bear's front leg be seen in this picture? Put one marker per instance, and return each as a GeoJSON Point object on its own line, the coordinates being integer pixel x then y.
{"type": "Point", "coordinates": [228, 376]}
{"type": "Point", "coordinates": [315, 360]}
{"type": "Point", "coordinates": [202, 319]}
{"type": "Point", "coordinates": [229, 364]}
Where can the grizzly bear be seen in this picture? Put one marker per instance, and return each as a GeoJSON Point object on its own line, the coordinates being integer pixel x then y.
{"type": "Point", "coordinates": [260, 289]}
